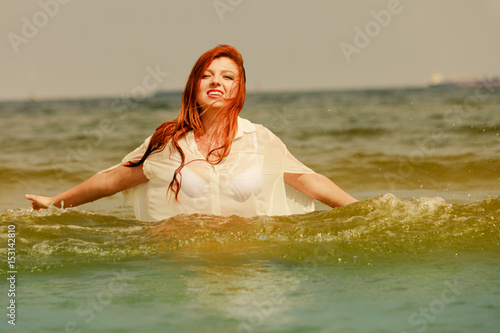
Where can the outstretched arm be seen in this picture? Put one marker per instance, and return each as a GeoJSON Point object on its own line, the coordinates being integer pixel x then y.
{"type": "Point", "coordinates": [319, 187]}
{"type": "Point", "coordinates": [98, 186]}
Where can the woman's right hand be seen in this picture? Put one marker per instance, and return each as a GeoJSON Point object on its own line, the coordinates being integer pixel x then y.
{"type": "Point", "coordinates": [38, 201]}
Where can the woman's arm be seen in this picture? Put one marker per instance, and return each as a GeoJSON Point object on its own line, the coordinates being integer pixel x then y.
{"type": "Point", "coordinates": [319, 187]}
{"type": "Point", "coordinates": [98, 186]}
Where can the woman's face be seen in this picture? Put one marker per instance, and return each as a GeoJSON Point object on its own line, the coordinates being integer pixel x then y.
{"type": "Point", "coordinates": [218, 84]}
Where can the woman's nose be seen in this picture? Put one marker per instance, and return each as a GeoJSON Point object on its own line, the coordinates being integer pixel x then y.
{"type": "Point", "coordinates": [215, 81]}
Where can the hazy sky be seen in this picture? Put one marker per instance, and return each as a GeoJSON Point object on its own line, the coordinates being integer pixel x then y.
{"type": "Point", "coordinates": [75, 48]}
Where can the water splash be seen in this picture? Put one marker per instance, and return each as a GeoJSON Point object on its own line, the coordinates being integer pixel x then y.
{"type": "Point", "coordinates": [382, 225]}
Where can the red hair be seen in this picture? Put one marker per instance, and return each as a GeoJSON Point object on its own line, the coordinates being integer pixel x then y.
{"type": "Point", "coordinates": [189, 118]}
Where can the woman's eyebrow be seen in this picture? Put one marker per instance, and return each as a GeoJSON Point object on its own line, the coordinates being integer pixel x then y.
{"type": "Point", "coordinates": [225, 71]}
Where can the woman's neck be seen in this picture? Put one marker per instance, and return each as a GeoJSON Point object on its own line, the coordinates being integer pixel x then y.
{"type": "Point", "coordinates": [210, 120]}
{"type": "Point", "coordinates": [209, 139]}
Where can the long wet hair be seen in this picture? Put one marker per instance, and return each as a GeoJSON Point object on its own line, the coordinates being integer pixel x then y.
{"type": "Point", "coordinates": [189, 118]}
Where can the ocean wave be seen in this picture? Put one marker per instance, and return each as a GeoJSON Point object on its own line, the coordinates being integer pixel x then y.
{"type": "Point", "coordinates": [385, 225]}
{"type": "Point", "coordinates": [479, 130]}
{"type": "Point", "coordinates": [433, 171]}
{"type": "Point", "coordinates": [343, 132]}
{"type": "Point", "coordinates": [69, 172]}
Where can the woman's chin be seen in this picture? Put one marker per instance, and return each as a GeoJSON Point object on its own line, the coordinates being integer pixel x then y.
{"type": "Point", "coordinates": [217, 104]}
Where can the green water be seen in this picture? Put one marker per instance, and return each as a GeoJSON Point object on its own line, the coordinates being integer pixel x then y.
{"type": "Point", "coordinates": [419, 253]}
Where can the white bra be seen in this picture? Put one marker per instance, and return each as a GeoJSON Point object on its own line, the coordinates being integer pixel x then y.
{"type": "Point", "coordinates": [241, 184]}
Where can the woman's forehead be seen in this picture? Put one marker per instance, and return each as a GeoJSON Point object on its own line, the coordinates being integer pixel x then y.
{"type": "Point", "coordinates": [223, 64]}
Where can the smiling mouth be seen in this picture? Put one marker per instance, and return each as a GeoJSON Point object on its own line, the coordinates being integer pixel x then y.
{"type": "Point", "coordinates": [214, 93]}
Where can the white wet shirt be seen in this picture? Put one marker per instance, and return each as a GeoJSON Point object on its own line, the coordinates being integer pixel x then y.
{"type": "Point", "coordinates": [248, 182]}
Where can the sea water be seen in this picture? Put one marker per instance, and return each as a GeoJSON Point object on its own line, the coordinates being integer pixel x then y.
{"type": "Point", "coordinates": [419, 253]}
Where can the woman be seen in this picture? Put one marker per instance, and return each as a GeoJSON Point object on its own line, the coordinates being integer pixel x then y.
{"type": "Point", "coordinates": [209, 160]}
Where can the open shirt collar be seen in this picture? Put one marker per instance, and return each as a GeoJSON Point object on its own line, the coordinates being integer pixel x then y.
{"type": "Point", "coordinates": [244, 126]}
